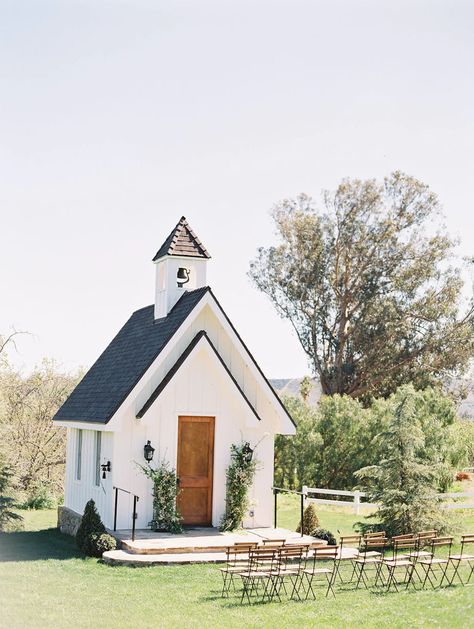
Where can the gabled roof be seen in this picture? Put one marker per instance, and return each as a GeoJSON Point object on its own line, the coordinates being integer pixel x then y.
{"type": "Point", "coordinates": [202, 335]}
{"type": "Point", "coordinates": [182, 242]}
{"type": "Point", "coordinates": [271, 390]}
{"type": "Point", "coordinates": [119, 368]}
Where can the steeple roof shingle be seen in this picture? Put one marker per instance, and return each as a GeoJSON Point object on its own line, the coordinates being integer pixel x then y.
{"type": "Point", "coordinates": [182, 242]}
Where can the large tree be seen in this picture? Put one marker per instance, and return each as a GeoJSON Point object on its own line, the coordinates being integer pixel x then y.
{"type": "Point", "coordinates": [370, 286]}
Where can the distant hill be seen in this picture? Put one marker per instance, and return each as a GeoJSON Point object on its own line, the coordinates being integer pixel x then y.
{"type": "Point", "coordinates": [291, 386]}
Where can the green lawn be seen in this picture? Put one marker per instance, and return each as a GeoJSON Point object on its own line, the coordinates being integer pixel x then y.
{"type": "Point", "coordinates": [45, 582]}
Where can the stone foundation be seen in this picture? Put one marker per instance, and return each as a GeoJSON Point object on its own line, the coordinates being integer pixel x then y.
{"type": "Point", "coordinates": [68, 521]}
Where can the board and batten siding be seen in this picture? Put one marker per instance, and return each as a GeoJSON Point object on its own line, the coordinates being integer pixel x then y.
{"type": "Point", "coordinates": [200, 388]}
{"type": "Point", "coordinates": [239, 368]}
{"type": "Point", "coordinates": [79, 491]}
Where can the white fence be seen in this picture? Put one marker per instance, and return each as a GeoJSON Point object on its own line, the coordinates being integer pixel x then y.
{"type": "Point", "coordinates": [354, 498]}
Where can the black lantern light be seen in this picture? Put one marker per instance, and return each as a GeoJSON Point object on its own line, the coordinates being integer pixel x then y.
{"type": "Point", "coordinates": [106, 467]}
{"type": "Point", "coordinates": [182, 276]}
{"type": "Point", "coordinates": [247, 452]}
{"type": "Point", "coordinates": [148, 451]}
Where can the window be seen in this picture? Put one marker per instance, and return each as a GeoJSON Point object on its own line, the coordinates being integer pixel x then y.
{"type": "Point", "coordinates": [97, 446]}
{"type": "Point", "coordinates": [78, 454]}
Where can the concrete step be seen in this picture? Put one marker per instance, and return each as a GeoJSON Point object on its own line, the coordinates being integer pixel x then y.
{"type": "Point", "coordinates": [123, 558]}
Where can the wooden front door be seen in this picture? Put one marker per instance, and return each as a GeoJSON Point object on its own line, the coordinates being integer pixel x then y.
{"type": "Point", "coordinates": [195, 469]}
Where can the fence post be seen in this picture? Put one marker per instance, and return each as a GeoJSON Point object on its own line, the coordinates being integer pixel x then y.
{"type": "Point", "coordinates": [305, 492]}
{"type": "Point", "coordinates": [357, 502]}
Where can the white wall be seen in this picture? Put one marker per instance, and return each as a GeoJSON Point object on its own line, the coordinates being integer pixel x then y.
{"type": "Point", "coordinates": [78, 492]}
{"type": "Point", "coordinates": [200, 388]}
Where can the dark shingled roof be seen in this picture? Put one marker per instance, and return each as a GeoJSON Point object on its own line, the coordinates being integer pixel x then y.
{"type": "Point", "coordinates": [111, 378]}
{"type": "Point", "coordinates": [182, 242]}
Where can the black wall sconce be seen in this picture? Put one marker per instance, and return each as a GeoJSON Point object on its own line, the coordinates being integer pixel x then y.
{"type": "Point", "coordinates": [148, 451]}
{"type": "Point", "coordinates": [247, 452]}
{"type": "Point", "coordinates": [106, 467]}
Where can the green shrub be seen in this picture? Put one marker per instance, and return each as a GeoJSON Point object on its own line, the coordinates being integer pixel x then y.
{"type": "Point", "coordinates": [239, 475]}
{"type": "Point", "coordinates": [310, 520]}
{"type": "Point", "coordinates": [97, 543]}
{"type": "Point", "coordinates": [165, 491]}
{"type": "Point", "coordinates": [90, 523]}
{"type": "Point", "coordinates": [325, 535]}
{"type": "Point", "coordinates": [40, 497]}
{"type": "Point", "coordinates": [9, 520]}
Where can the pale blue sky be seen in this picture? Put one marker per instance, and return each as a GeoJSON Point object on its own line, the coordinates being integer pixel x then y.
{"type": "Point", "coordinates": [118, 117]}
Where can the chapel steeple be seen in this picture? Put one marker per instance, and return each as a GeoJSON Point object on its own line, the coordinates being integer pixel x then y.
{"type": "Point", "coordinates": [180, 265]}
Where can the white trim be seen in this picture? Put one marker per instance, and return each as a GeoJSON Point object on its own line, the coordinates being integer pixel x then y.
{"type": "Point", "coordinates": [204, 343]}
{"type": "Point", "coordinates": [264, 384]}
{"type": "Point", "coordinates": [85, 425]}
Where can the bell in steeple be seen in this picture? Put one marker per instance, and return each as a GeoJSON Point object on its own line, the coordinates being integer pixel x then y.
{"type": "Point", "coordinates": [180, 265]}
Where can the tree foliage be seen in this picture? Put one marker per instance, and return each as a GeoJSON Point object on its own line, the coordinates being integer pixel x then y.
{"type": "Point", "coordinates": [29, 442]}
{"type": "Point", "coordinates": [406, 479]}
{"type": "Point", "coordinates": [297, 457]}
{"type": "Point", "coordinates": [240, 474]}
{"type": "Point", "coordinates": [8, 517]}
{"type": "Point", "coordinates": [369, 286]}
{"type": "Point", "coordinates": [341, 435]}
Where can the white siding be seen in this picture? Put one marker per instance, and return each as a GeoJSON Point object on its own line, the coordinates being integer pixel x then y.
{"type": "Point", "coordinates": [78, 492]}
{"type": "Point", "coordinates": [200, 388]}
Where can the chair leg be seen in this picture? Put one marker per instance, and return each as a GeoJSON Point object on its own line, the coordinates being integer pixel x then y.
{"type": "Point", "coordinates": [330, 578]}
{"type": "Point", "coordinates": [470, 563]}
{"type": "Point", "coordinates": [456, 573]}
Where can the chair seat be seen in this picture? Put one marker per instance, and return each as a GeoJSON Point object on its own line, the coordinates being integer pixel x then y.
{"type": "Point", "coordinates": [370, 553]}
{"type": "Point", "coordinates": [416, 555]}
{"type": "Point", "coordinates": [318, 571]}
{"type": "Point", "coordinates": [369, 560]}
{"type": "Point", "coordinates": [461, 557]}
{"type": "Point", "coordinates": [430, 562]}
{"type": "Point", "coordinates": [284, 573]}
{"type": "Point", "coordinates": [422, 553]}
{"type": "Point", "coordinates": [234, 569]}
{"type": "Point", "coordinates": [394, 563]}
{"type": "Point", "coordinates": [255, 574]}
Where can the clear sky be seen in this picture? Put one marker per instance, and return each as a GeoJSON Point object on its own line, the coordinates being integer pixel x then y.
{"type": "Point", "coordinates": [117, 117]}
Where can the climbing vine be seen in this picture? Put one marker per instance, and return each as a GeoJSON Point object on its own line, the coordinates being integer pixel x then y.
{"type": "Point", "coordinates": [240, 475]}
{"type": "Point", "coordinates": [165, 492]}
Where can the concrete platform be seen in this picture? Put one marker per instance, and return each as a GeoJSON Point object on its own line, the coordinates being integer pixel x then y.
{"type": "Point", "coordinates": [199, 545]}
{"type": "Point", "coordinates": [200, 540]}
{"type": "Point", "coordinates": [134, 560]}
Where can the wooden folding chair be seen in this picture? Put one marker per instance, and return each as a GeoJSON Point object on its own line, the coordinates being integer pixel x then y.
{"type": "Point", "coordinates": [431, 562]}
{"type": "Point", "coordinates": [290, 565]}
{"type": "Point", "coordinates": [371, 555]}
{"type": "Point", "coordinates": [312, 570]}
{"type": "Point", "coordinates": [351, 542]}
{"type": "Point", "coordinates": [458, 560]}
{"type": "Point", "coordinates": [402, 547]}
{"type": "Point", "coordinates": [424, 540]}
{"type": "Point", "coordinates": [273, 542]}
{"type": "Point", "coordinates": [263, 563]}
{"type": "Point", "coordinates": [237, 560]}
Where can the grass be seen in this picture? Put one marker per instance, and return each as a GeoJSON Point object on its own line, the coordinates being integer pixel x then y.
{"type": "Point", "coordinates": [46, 583]}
